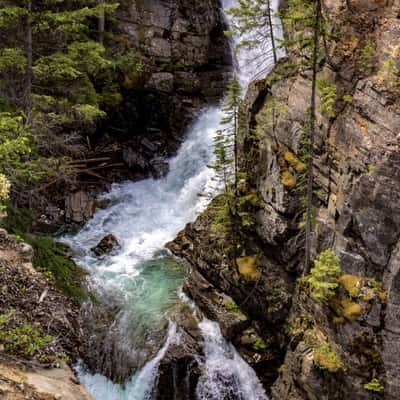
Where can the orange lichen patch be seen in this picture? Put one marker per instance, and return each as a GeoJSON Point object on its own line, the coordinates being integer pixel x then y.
{"type": "Point", "coordinates": [248, 268]}
{"type": "Point", "coordinates": [352, 284]}
{"type": "Point", "coordinates": [351, 310]}
{"type": "Point", "coordinates": [288, 180]}
{"type": "Point", "coordinates": [294, 162]}
{"type": "Point", "coordinates": [368, 295]}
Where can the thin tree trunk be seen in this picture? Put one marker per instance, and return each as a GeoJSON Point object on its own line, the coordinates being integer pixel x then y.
{"type": "Point", "coordinates": [310, 163]}
{"type": "Point", "coordinates": [235, 150]}
{"type": "Point", "coordinates": [271, 31]}
{"type": "Point", "coordinates": [29, 54]}
{"type": "Point", "coordinates": [101, 22]}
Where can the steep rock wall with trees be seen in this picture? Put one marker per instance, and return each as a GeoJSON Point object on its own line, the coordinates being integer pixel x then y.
{"type": "Point", "coordinates": [345, 345]}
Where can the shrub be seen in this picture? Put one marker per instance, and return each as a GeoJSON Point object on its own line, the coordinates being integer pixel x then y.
{"type": "Point", "coordinates": [24, 340]}
{"type": "Point", "coordinates": [323, 279]}
{"type": "Point", "coordinates": [326, 359]}
{"type": "Point", "coordinates": [4, 193]}
{"type": "Point", "coordinates": [374, 386]}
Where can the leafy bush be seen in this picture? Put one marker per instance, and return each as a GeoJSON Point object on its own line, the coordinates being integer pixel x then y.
{"type": "Point", "coordinates": [24, 340]}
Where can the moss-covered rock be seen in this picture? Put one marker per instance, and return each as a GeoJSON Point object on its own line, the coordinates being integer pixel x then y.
{"type": "Point", "coordinates": [248, 268]}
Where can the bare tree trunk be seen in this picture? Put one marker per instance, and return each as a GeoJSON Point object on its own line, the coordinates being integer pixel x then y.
{"type": "Point", "coordinates": [310, 163]}
{"type": "Point", "coordinates": [29, 54]}
{"type": "Point", "coordinates": [101, 23]}
{"type": "Point", "coordinates": [271, 31]}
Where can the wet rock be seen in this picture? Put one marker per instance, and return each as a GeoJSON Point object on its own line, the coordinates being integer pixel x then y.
{"type": "Point", "coordinates": [79, 207]}
{"type": "Point", "coordinates": [179, 370]}
{"type": "Point", "coordinates": [160, 167]}
{"type": "Point", "coordinates": [134, 159]}
{"type": "Point", "coordinates": [106, 246]}
{"type": "Point", "coordinates": [216, 305]}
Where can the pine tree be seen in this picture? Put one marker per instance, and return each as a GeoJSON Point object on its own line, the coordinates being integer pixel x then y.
{"type": "Point", "coordinates": [306, 38]}
{"type": "Point", "coordinates": [253, 22]}
{"type": "Point", "coordinates": [324, 276]}
{"type": "Point", "coordinates": [226, 166]}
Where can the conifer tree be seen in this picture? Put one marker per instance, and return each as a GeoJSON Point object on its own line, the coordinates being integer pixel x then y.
{"type": "Point", "coordinates": [324, 276]}
{"type": "Point", "coordinates": [226, 165]}
{"type": "Point", "coordinates": [305, 28]}
{"type": "Point", "coordinates": [253, 22]}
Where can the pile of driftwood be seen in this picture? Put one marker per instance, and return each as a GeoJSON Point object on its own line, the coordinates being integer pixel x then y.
{"type": "Point", "coordinates": [90, 166]}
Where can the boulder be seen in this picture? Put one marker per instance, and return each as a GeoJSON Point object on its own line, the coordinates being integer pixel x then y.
{"type": "Point", "coordinates": [106, 245]}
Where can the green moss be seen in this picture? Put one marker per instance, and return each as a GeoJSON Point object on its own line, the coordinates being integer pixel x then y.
{"type": "Point", "coordinates": [326, 359]}
{"type": "Point", "coordinates": [23, 340]}
{"type": "Point", "coordinates": [232, 307]}
{"type": "Point", "coordinates": [374, 386]}
{"type": "Point", "coordinates": [259, 345]}
{"type": "Point", "coordinates": [50, 258]}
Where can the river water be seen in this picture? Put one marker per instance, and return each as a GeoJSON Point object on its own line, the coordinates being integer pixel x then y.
{"type": "Point", "coordinates": [143, 279]}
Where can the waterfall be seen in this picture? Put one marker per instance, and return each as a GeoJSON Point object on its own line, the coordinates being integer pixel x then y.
{"type": "Point", "coordinates": [226, 374]}
{"type": "Point", "coordinates": [139, 387]}
{"type": "Point", "coordinates": [143, 281]}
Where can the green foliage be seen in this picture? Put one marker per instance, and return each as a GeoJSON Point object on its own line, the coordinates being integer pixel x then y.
{"type": "Point", "coordinates": [367, 57]}
{"type": "Point", "coordinates": [389, 75]}
{"type": "Point", "coordinates": [50, 258]}
{"type": "Point", "coordinates": [328, 95]}
{"type": "Point", "coordinates": [347, 98]}
{"type": "Point", "coordinates": [4, 194]}
{"type": "Point", "coordinates": [12, 60]}
{"type": "Point", "coordinates": [232, 307]}
{"type": "Point", "coordinates": [298, 19]}
{"type": "Point", "coordinates": [374, 386]}
{"type": "Point", "coordinates": [327, 359]}
{"type": "Point", "coordinates": [323, 279]}
{"type": "Point", "coordinates": [252, 21]}
{"type": "Point", "coordinates": [260, 345]}
{"type": "Point", "coordinates": [24, 340]}
{"type": "Point", "coordinates": [268, 116]}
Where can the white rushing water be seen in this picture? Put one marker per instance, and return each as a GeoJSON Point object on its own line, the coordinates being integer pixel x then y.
{"type": "Point", "coordinates": [226, 374]}
{"type": "Point", "coordinates": [142, 280]}
{"type": "Point", "coordinates": [139, 387]}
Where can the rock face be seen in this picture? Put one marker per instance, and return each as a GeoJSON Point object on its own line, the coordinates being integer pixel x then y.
{"type": "Point", "coordinates": [357, 179]}
{"type": "Point", "coordinates": [185, 62]}
{"type": "Point", "coordinates": [35, 383]}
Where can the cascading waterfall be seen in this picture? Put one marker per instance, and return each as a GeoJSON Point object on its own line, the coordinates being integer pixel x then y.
{"type": "Point", "coordinates": [226, 374]}
{"type": "Point", "coordinates": [143, 280]}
